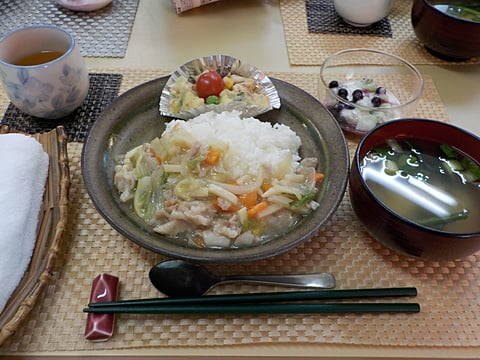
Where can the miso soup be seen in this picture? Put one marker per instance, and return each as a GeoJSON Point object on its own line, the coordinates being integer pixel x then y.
{"type": "Point", "coordinates": [429, 183]}
{"type": "Point", "coordinates": [469, 12]}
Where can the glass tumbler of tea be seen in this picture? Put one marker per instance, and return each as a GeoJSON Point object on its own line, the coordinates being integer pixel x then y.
{"type": "Point", "coordinates": [42, 71]}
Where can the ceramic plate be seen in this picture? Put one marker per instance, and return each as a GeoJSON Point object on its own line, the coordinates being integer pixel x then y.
{"type": "Point", "coordinates": [133, 118]}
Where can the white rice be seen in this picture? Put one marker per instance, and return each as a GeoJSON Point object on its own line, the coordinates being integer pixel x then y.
{"type": "Point", "coordinates": [252, 146]}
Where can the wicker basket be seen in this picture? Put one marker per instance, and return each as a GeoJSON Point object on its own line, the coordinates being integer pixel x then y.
{"type": "Point", "coordinates": [52, 224]}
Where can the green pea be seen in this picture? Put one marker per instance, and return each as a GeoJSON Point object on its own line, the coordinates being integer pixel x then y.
{"type": "Point", "coordinates": [212, 99]}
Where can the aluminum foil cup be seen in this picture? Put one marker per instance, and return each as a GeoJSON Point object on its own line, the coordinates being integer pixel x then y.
{"type": "Point", "coordinates": [224, 65]}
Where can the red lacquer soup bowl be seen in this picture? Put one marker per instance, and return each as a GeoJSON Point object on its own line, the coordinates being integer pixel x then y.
{"type": "Point", "coordinates": [386, 220]}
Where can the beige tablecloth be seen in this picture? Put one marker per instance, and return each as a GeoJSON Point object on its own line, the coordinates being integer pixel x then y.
{"type": "Point", "coordinates": [449, 292]}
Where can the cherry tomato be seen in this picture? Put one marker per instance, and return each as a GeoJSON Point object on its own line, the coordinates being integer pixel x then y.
{"type": "Point", "coordinates": [208, 84]}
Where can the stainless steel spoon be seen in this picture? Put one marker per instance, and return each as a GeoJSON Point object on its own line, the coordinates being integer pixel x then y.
{"type": "Point", "coordinates": [178, 278]}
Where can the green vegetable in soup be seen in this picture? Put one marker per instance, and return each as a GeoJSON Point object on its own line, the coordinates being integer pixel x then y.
{"type": "Point", "coordinates": [467, 166]}
{"type": "Point", "coordinates": [435, 220]}
{"type": "Point", "coordinates": [448, 151]}
{"type": "Point", "coordinates": [432, 184]}
{"type": "Point", "coordinates": [470, 12]}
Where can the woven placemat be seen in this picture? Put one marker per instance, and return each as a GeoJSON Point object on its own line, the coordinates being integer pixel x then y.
{"type": "Point", "coordinates": [101, 33]}
{"type": "Point", "coordinates": [322, 18]}
{"type": "Point", "coordinates": [308, 48]}
{"type": "Point", "coordinates": [103, 89]}
{"type": "Point", "coordinates": [449, 291]}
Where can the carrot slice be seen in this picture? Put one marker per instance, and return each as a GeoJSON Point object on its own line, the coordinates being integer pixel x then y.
{"type": "Point", "coordinates": [265, 187]}
{"type": "Point", "coordinates": [157, 157]}
{"type": "Point", "coordinates": [319, 177]}
{"type": "Point", "coordinates": [212, 157]}
{"type": "Point", "coordinates": [253, 211]}
{"type": "Point", "coordinates": [249, 199]}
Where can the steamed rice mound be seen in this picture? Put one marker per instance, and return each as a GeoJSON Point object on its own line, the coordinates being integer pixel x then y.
{"type": "Point", "coordinates": [250, 146]}
{"type": "Point", "coordinates": [219, 180]}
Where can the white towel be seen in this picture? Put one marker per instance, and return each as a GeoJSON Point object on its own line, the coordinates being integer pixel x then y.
{"type": "Point", "coordinates": [23, 173]}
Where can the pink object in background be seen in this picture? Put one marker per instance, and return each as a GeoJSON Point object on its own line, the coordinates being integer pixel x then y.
{"type": "Point", "coordinates": [184, 5]}
{"type": "Point", "coordinates": [83, 5]}
{"type": "Point", "coordinates": [100, 327]}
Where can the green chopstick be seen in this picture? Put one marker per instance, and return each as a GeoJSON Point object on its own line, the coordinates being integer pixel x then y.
{"type": "Point", "coordinates": [265, 297]}
{"type": "Point", "coordinates": [257, 303]}
{"type": "Point", "coordinates": [293, 308]}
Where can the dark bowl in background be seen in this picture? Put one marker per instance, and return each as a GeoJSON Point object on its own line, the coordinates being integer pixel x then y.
{"type": "Point", "coordinates": [446, 36]}
{"type": "Point", "coordinates": [389, 228]}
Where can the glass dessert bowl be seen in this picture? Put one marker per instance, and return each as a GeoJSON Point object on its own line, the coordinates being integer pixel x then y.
{"type": "Point", "coordinates": [363, 88]}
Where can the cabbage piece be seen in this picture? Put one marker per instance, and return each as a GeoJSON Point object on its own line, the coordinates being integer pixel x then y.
{"type": "Point", "coordinates": [303, 201]}
{"type": "Point", "coordinates": [157, 199]}
{"type": "Point", "coordinates": [148, 198]}
{"type": "Point", "coordinates": [189, 188]}
{"type": "Point", "coordinates": [145, 165]}
{"type": "Point", "coordinates": [131, 157]}
{"type": "Point", "coordinates": [143, 195]}
{"type": "Point", "coordinates": [159, 147]}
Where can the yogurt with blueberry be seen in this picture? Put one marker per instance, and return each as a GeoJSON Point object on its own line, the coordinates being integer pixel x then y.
{"type": "Point", "coordinates": [364, 104]}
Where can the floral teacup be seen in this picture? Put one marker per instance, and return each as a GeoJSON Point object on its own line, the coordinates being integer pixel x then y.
{"type": "Point", "coordinates": [42, 71]}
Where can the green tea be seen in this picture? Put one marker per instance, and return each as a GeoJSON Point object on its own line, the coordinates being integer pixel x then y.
{"type": "Point", "coordinates": [429, 183]}
{"type": "Point", "coordinates": [460, 11]}
{"type": "Point", "coordinates": [37, 58]}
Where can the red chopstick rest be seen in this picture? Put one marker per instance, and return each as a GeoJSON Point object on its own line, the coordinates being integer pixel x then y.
{"type": "Point", "coordinates": [100, 327]}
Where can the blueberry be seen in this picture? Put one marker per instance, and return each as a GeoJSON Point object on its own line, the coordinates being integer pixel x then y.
{"type": "Point", "coordinates": [333, 84]}
{"type": "Point", "coordinates": [338, 107]}
{"type": "Point", "coordinates": [342, 93]}
{"type": "Point", "coordinates": [376, 101]}
{"type": "Point", "coordinates": [357, 95]}
{"type": "Point", "coordinates": [381, 90]}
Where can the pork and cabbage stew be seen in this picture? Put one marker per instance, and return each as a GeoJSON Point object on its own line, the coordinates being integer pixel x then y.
{"type": "Point", "coordinates": [220, 181]}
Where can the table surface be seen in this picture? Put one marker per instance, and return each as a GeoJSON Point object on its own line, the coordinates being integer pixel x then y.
{"type": "Point", "coordinates": [252, 31]}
